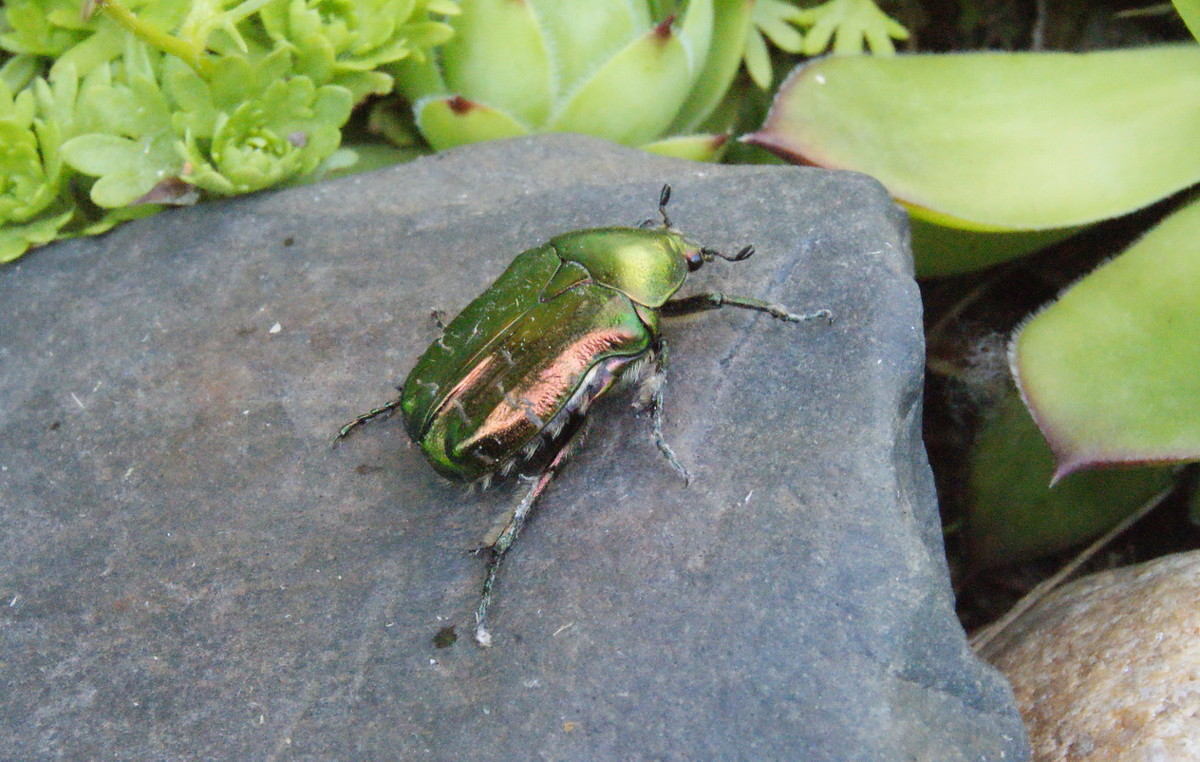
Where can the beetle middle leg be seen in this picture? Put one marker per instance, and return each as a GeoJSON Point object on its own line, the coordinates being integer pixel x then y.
{"type": "Point", "coordinates": [650, 397]}
{"type": "Point", "coordinates": [499, 547]}
{"type": "Point", "coordinates": [715, 300]}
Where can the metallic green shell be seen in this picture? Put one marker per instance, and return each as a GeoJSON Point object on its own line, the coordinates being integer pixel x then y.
{"type": "Point", "coordinates": [648, 266]}
{"type": "Point", "coordinates": [580, 307]}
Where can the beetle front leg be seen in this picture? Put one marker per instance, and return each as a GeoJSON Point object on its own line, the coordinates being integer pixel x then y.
{"type": "Point", "coordinates": [715, 300]}
{"type": "Point", "coordinates": [507, 536]}
{"type": "Point", "coordinates": [370, 415]}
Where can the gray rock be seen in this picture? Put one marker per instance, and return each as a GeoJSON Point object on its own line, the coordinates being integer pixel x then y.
{"type": "Point", "coordinates": [190, 571]}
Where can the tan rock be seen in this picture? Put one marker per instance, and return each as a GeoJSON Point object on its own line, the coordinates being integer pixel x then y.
{"type": "Point", "coordinates": [1108, 667]}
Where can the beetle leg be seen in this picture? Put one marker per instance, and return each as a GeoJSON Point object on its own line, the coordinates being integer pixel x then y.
{"type": "Point", "coordinates": [715, 300]}
{"type": "Point", "coordinates": [654, 385]}
{"type": "Point", "coordinates": [370, 415]}
{"type": "Point", "coordinates": [508, 535]}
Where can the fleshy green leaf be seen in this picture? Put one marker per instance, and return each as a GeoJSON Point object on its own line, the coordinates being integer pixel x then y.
{"type": "Point", "coordinates": [30, 164]}
{"type": "Point", "coordinates": [127, 168]}
{"type": "Point", "coordinates": [498, 56]}
{"type": "Point", "coordinates": [731, 25]}
{"type": "Point", "coordinates": [941, 250]}
{"type": "Point", "coordinates": [454, 121]}
{"type": "Point", "coordinates": [1014, 515]}
{"type": "Point", "coordinates": [1189, 11]}
{"type": "Point", "coordinates": [1001, 141]}
{"type": "Point", "coordinates": [691, 147]}
{"type": "Point", "coordinates": [585, 32]}
{"type": "Point", "coordinates": [18, 238]}
{"type": "Point", "coordinates": [1111, 370]}
{"type": "Point", "coordinates": [609, 107]}
{"type": "Point", "coordinates": [37, 26]}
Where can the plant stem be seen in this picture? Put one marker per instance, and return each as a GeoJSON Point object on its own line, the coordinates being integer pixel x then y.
{"type": "Point", "coordinates": [190, 54]}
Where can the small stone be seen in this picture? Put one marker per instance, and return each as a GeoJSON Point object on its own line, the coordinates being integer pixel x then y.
{"type": "Point", "coordinates": [1108, 667]}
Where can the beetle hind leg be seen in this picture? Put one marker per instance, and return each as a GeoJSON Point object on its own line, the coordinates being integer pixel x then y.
{"type": "Point", "coordinates": [504, 539]}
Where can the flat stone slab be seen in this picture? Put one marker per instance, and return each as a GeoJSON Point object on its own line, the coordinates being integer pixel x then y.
{"type": "Point", "coordinates": [189, 570]}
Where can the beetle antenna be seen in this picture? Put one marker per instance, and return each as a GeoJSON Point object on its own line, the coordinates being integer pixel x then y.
{"type": "Point", "coordinates": [710, 254]}
{"type": "Point", "coordinates": [663, 198]}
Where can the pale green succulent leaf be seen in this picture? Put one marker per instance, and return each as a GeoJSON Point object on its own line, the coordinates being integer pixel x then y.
{"type": "Point", "coordinates": [19, 70]}
{"type": "Point", "coordinates": [426, 34]}
{"type": "Point", "coordinates": [1001, 141]}
{"type": "Point", "coordinates": [195, 113]}
{"type": "Point", "coordinates": [634, 96]}
{"type": "Point", "coordinates": [691, 147]}
{"type": "Point", "coordinates": [696, 33]}
{"type": "Point", "coordinates": [36, 26]}
{"type": "Point", "coordinates": [1013, 515]}
{"type": "Point", "coordinates": [364, 83]}
{"type": "Point", "coordinates": [58, 102]}
{"type": "Point", "coordinates": [18, 238]}
{"type": "Point", "coordinates": [1189, 11]}
{"type": "Point", "coordinates": [585, 33]}
{"type": "Point", "coordinates": [732, 23]}
{"type": "Point", "coordinates": [126, 168]}
{"type": "Point", "coordinates": [99, 154]}
{"type": "Point", "coordinates": [19, 109]}
{"type": "Point", "coordinates": [499, 56]}
{"type": "Point", "coordinates": [29, 169]}
{"type": "Point", "coordinates": [1110, 369]}
{"type": "Point", "coordinates": [94, 51]}
{"type": "Point", "coordinates": [132, 107]}
{"type": "Point", "coordinates": [448, 122]}
{"type": "Point", "coordinates": [942, 250]}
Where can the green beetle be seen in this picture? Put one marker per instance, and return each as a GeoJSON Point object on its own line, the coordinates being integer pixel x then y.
{"type": "Point", "coordinates": [507, 386]}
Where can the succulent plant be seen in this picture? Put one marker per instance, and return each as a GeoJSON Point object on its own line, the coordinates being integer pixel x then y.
{"type": "Point", "coordinates": [31, 169]}
{"type": "Point", "coordinates": [633, 72]}
{"type": "Point", "coordinates": [161, 101]}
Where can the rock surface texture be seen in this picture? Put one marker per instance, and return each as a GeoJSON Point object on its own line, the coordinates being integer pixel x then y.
{"type": "Point", "coordinates": [190, 571]}
{"type": "Point", "coordinates": [1108, 667]}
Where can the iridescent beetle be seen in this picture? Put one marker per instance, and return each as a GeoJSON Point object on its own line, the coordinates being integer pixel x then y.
{"type": "Point", "coordinates": [506, 388]}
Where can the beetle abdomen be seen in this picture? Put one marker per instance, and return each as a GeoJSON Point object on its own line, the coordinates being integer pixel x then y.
{"type": "Point", "coordinates": [529, 375]}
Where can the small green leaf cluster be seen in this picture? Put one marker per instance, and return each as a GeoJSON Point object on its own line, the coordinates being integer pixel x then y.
{"type": "Point", "coordinates": [844, 23]}
{"type": "Point", "coordinates": [108, 116]}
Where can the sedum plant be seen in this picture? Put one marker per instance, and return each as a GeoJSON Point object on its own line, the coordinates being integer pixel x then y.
{"type": "Point", "coordinates": [108, 114]}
